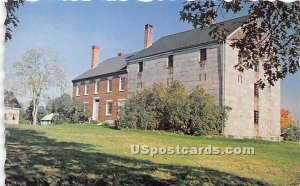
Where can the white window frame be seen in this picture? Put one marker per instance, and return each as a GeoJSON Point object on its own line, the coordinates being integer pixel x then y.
{"type": "Point", "coordinates": [120, 100]}
{"type": "Point", "coordinates": [120, 82]}
{"type": "Point", "coordinates": [106, 107]}
{"type": "Point", "coordinates": [78, 89]}
{"type": "Point", "coordinates": [109, 79]}
{"type": "Point", "coordinates": [86, 84]}
{"type": "Point", "coordinates": [97, 86]}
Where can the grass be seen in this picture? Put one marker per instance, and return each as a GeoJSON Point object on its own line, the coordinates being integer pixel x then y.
{"type": "Point", "coordinates": [94, 155]}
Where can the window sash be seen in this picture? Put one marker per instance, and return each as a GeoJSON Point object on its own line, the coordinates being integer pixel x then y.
{"type": "Point", "coordinates": [97, 86]}
{"type": "Point", "coordinates": [77, 90]}
{"type": "Point", "coordinates": [121, 103]}
{"type": "Point", "coordinates": [170, 61]}
{"type": "Point", "coordinates": [256, 90]}
{"type": "Point", "coordinates": [203, 54]}
{"type": "Point", "coordinates": [141, 67]}
{"type": "Point", "coordinates": [122, 83]}
{"type": "Point", "coordinates": [256, 117]}
{"type": "Point", "coordinates": [109, 85]}
{"type": "Point", "coordinates": [86, 88]}
{"type": "Point", "coordinates": [108, 107]}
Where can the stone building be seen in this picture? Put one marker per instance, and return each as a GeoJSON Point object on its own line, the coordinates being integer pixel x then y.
{"type": "Point", "coordinates": [103, 88]}
{"type": "Point", "coordinates": [194, 58]}
{"type": "Point", "coordinates": [11, 108]}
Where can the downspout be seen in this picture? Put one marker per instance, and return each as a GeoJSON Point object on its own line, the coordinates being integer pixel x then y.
{"type": "Point", "coordinates": [223, 77]}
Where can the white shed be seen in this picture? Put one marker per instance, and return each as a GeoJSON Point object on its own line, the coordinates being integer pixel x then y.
{"type": "Point", "coordinates": [47, 119]}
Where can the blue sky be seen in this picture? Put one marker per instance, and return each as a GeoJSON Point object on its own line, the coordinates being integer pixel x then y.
{"type": "Point", "coordinates": [71, 28]}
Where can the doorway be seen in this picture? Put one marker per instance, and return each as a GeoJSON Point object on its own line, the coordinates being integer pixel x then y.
{"type": "Point", "coordinates": [95, 109]}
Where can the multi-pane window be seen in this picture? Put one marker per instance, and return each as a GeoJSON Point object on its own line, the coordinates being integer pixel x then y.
{"type": "Point", "coordinates": [108, 108]}
{"type": "Point", "coordinates": [109, 84]}
{"type": "Point", "coordinates": [141, 67]}
{"type": "Point", "coordinates": [77, 89]}
{"type": "Point", "coordinates": [203, 55]}
{"type": "Point", "coordinates": [86, 88]}
{"type": "Point", "coordinates": [256, 90]}
{"type": "Point", "coordinates": [256, 117]}
{"type": "Point", "coordinates": [122, 83]}
{"type": "Point", "coordinates": [170, 61]}
{"type": "Point", "coordinates": [97, 86]}
{"type": "Point", "coordinates": [121, 102]}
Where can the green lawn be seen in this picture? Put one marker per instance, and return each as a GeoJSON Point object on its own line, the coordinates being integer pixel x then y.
{"type": "Point", "coordinates": [94, 155]}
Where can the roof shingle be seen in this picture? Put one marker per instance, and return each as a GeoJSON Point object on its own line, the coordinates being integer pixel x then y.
{"type": "Point", "coordinates": [186, 39]}
{"type": "Point", "coordinates": [108, 66]}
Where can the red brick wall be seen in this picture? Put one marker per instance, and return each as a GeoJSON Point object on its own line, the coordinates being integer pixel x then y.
{"type": "Point", "coordinates": [103, 96]}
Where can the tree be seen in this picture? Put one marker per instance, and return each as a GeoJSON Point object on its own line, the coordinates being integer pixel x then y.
{"type": "Point", "coordinates": [172, 109]}
{"type": "Point", "coordinates": [286, 118]}
{"type": "Point", "coordinates": [290, 132]}
{"type": "Point", "coordinates": [37, 71]}
{"type": "Point", "coordinates": [206, 117]}
{"type": "Point", "coordinates": [69, 110]}
{"type": "Point", "coordinates": [272, 32]}
{"type": "Point", "coordinates": [11, 20]}
{"type": "Point", "coordinates": [28, 113]}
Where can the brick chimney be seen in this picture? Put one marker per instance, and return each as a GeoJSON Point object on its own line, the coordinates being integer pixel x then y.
{"type": "Point", "coordinates": [121, 54]}
{"type": "Point", "coordinates": [148, 35]}
{"type": "Point", "coordinates": [212, 20]}
{"type": "Point", "coordinates": [95, 56]}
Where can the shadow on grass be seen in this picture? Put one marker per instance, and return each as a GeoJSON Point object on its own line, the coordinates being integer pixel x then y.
{"type": "Point", "coordinates": [33, 159]}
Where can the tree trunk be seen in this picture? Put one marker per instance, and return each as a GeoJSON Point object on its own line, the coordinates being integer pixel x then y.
{"type": "Point", "coordinates": [35, 111]}
{"type": "Point", "coordinates": [35, 116]}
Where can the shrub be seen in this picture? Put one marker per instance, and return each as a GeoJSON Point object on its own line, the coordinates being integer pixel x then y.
{"type": "Point", "coordinates": [206, 117]}
{"type": "Point", "coordinates": [69, 110]}
{"type": "Point", "coordinates": [172, 109]}
{"type": "Point", "coordinates": [290, 132]}
{"type": "Point", "coordinates": [57, 120]}
{"type": "Point", "coordinates": [126, 121]}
